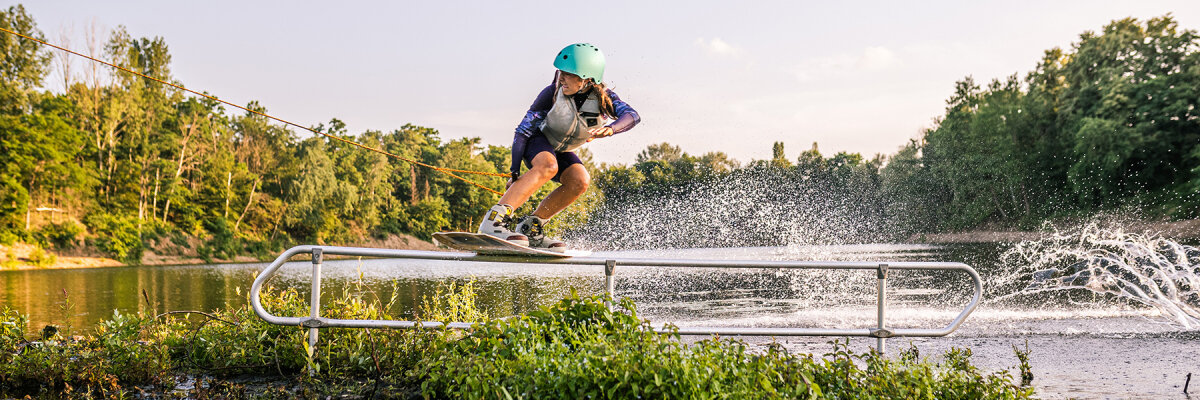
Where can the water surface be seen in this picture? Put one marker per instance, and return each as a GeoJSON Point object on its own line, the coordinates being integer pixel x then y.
{"type": "Point", "coordinates": [1085, 344]}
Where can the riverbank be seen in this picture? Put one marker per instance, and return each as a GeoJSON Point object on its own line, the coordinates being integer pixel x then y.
{"type": "Point", "coordinates": [24, 256]}
{"type": "Point", "coordinates": [1186, 230]}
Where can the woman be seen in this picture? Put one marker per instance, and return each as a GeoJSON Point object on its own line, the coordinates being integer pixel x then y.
{"type": "Point", "coordinates": [568, 113]}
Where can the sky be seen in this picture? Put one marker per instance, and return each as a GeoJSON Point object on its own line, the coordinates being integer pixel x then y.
{"type": "Point", "coordinates": [862, 77]}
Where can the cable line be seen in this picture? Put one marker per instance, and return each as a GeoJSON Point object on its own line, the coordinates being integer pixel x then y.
{"type": "Point", "coordinates": [448, 171]}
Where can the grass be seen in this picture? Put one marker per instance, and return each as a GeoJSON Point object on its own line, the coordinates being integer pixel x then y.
{"type": "Point", "coordinates": [576, 348]}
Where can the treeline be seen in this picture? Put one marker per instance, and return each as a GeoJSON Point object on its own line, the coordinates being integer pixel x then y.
{"type": "Point", "coordinates": [124, 161]}
{"type": "Point", "coordinates": [117, 162]}
{"type": "Point", "coordinates": [1108, 125]}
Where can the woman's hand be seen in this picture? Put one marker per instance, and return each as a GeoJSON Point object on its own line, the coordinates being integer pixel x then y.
{"type": "Point", "coordinates": [601, 132]}
{"type": "Point", "coordinates": [511, 179]}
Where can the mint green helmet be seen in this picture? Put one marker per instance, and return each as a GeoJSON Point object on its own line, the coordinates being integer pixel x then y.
{"type": "Point", "coordinates": [581, 59]}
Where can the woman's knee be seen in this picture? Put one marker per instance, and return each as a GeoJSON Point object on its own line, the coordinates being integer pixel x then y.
{"type": "Point", "coordinates": [577, 178]}
{"type": "Point", "coordinates": [544, 169]}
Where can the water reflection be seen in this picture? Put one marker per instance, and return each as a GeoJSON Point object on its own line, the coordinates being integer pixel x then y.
{"type": "Point", "coordinates": [82, 297]}
{"type": "Point", "coordinates": [688, 296]}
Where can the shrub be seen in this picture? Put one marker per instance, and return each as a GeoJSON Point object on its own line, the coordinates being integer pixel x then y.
{"type": "Point", "coordinates": [579, 349]}
{"type": "Point", "coordinates": [8, 238]}
{"type": "Point", "coordinates": [117, 236]}
{"type": "Point", "coordinates": [62, 235]}
{"type": "Point", "coordinates": [40, 258]}
{"type": "Point", "coordinates": [10, 259]}
{"type": "Point", "coordinates": [224, 242]}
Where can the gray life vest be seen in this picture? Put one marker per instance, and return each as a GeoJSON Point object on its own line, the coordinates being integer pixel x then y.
{"type": "Point", "coordinates": [565, 126]}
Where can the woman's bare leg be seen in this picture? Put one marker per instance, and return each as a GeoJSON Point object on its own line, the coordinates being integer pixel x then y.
{"type": "Point", "coordinates": [545, 166]}
{"type": "Point", "coordinates": [575, 181]}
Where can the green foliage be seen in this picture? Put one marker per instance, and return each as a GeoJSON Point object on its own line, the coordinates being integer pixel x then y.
{"type": "Point", "coordinates": [1023, 366]}
{"type": "Point", "coordinates": [451, 303]}
{"type": "Point", "coordinates": [575, 348]}
{"type": "Point", "coordinates": [23, 63]}
{"type": "Point", "coordinates": [103, 364]}
{"type": "Point", "coordinates": [578, 348]}
{"type": "Point", "coordinates": [1102, 148]}
{"type": "Point", "coordinates": [222, 242]}
{"type": "Point", "coordinates": [62, 235]}
{"type": "Point", "coordinates": [164, 163]}
{"type": "Point", "coordinates": [14, 200]}
{"type": "Point", "coordinates": [1106, 124]}
{"type": "Point", "coordinates": [39, 258]}
{"type": "Point", "coordinates": [238, 342]}
{"type": "Point", "coordinates": [117, 236]}
{"type": "Point", "coordinates": [10, 259]}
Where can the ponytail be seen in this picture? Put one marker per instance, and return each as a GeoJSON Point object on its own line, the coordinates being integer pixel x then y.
{"type": "Point", "coordinates": [606, 104]}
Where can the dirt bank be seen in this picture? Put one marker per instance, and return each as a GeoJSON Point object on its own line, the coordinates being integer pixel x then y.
{"type": "Point", "coordinates": [23, 256]}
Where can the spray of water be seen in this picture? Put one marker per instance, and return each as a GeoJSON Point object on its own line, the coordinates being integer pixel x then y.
{"type": "Point", "coordinates": [762, 207]}
{"type": "Point", "coordinates": [1113, 264]}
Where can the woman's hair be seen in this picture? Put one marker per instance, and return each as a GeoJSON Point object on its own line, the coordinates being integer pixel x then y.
{"type": "Point", "coordinates": [606, 104]}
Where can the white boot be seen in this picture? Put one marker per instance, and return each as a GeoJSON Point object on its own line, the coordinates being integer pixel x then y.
{"type": "Point", "coordinates": [531, 227]}
{"type": "Point", "coordinates": [497, 222]}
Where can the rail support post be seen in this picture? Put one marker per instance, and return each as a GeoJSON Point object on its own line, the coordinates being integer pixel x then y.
{"type": "Point", "coordinates": [316, 301]}
{"type": "Point", "coordinates": [610, 267]}
{"type": "Point", "coordinates": [882, 332]}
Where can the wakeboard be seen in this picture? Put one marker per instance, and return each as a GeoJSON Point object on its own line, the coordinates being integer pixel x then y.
{"type": "Point", "coordinates": [490, 245]}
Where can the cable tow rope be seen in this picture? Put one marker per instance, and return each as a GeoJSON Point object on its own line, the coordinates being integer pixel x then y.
{"type": "Point", "coordinates": [448, 171]}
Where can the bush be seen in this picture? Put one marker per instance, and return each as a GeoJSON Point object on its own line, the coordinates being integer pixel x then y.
{"type": "Point", "coordinates": [9, 238]}
{"type": "Point", "coordinates": [579, 349]}
{"type": "Point", "coordinates": [118, 354]}
{"type": "Point", "coordinates": [10, 259]}
{"type": "Point", "coordinates": [263, 249]}
{"type": "Point", "coordinates": [39, 258]}
{"type": "Point", "coordinates": [224, 241]}
{"type": "Point", "coordinates": [117, 236]}
{"type": "Point", "coordinates": [61, 236]}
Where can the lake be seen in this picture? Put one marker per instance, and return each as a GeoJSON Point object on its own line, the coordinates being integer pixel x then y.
{"type": "Point", "coordinates": [1084, 343]}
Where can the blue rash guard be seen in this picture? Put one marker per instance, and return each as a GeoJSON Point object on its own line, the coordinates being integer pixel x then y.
{"type": "Point", "coordinates": [627, 117]}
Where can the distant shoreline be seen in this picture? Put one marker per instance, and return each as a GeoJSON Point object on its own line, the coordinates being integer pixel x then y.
{"type": "Point", "coordinates": [1186, 230]}
{"type": "Point", "coordinates": [23, 251]}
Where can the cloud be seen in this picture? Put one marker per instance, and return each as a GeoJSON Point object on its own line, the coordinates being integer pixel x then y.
{"type": "Point", "coordinates": [718, 47]}
{"type": "Point", "coordinates": [873, 58]}
{"type": "Point", "coordinates": [877, 58]}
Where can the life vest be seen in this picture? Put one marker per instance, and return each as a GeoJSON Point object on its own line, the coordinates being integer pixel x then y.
{"type": "Point", "coordinates": [566, 127]}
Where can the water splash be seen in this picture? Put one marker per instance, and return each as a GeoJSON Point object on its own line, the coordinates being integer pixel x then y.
{"type": "Point", "coordinates": [1107, 261]}
{"type": "Point", "coordinates": [747, 208]}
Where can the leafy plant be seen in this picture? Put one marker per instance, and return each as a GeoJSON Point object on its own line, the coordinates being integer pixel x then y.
{"type": "Point", "coordinates": [61, 235]}
{"type": "Point", "coordinates": [40, 258]}
{"type": "Point", "coordinates": [117, 236]}
{"type": "Point", "coordinates": [1025, 368]}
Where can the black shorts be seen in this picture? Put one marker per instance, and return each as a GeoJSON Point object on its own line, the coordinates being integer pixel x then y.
{"type": "Point", "coordinates": [538, 143]}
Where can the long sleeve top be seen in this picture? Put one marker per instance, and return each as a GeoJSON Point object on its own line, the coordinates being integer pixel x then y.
{"type": "Point", "coordinates": [627, 118]}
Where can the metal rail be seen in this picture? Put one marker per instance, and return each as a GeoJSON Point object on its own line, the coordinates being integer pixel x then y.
{"type": "Point", "coordinates": [314, 321]}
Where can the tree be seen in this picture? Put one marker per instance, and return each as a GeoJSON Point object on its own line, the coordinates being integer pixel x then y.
{"type": "Point", "coordinates": [23, 64]}
{"type": "Point", "coordinates": [660, 152]}
{"type": "Point", "coordinates": [778, 158]}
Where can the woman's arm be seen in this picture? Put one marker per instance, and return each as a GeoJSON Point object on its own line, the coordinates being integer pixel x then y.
{"type": "Point", "coordinates": [627, 117]}
{"type": "Point", "coordinates": [529, 126]}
